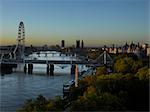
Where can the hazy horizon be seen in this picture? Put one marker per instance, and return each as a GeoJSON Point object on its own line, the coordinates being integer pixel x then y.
{"type": "Point", "coordinates": [97, 22]}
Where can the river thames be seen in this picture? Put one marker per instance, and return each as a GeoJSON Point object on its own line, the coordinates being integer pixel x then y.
{"type": "Point", "coordinates": [17, 87]}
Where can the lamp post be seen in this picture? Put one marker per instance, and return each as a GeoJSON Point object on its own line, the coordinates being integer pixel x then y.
{"type": "Point", "coordinates": [76, 76]}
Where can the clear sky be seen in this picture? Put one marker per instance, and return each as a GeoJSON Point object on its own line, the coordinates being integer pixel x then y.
{"type": "Point", "coordinates": [97, 22]}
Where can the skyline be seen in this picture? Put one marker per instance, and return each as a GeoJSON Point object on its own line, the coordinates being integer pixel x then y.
{"type": "Point", "coordinates": [96, 22]}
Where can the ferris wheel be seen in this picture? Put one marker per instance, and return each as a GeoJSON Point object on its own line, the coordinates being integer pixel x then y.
{"type": "Point", "coordinates": [20, 47]}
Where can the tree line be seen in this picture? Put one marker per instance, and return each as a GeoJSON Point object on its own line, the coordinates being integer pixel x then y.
{"type": "Point", "coordinates": [125, 89]}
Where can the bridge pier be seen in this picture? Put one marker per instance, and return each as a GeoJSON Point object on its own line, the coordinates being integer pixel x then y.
{"type": "Point", "coordinates": [47, 70]}
{"type": "Point", "coordinates": [73, 67]}
{"type": "Point", "coordinates": [7, 68]}
{"type": "Point", "coordinates": [51, 69]}
{"type": "Point", "coordinates": [25, 68]}
{"type": "Point", "coordinates": [30, 68]}
{"type": "Point", "coordinates": [52, 54]}
{"type": "Point", "coordinates": [38, 54]}
{"type": "Point", "coordinates": [45, 54]}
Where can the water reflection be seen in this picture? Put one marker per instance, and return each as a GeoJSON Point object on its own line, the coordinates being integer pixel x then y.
{"type": "Point", "coordinates": [17, 87]}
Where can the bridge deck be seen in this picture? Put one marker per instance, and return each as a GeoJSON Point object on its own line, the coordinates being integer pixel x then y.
{"type": "Point", "coordinates": [46, 62]}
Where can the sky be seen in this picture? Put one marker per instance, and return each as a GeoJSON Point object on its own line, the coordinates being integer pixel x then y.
{"type": "Point", "coordinates": [97, 22]}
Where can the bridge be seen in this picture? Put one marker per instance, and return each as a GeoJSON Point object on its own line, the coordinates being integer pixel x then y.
{"type": "Point", "coordinates": [103, 59]}
{"type": "Point", "coordinates": [7, 65]}
{"type": "Point", "coordinates": [47, 62]}
{"type": "Point", "coordinates": [17, 56]}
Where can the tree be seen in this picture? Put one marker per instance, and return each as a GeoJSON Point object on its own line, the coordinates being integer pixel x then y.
{"type": "Point", "coordinates": [136, 65]}
{"type": "Point", "coordinates": [102, 70]}
{"type": "Point", "coordinates": [41, 104]}
{"type": "Point", "coordinates": [143, 73]}
{"type": "Point", "coordinates": [93, 54]}
{"type": "Point", "coordinates": [124, 65]}
{"type": "Point", "coordinates": [88, 80]}
{"type": "Point", "coordinates": [59, 103]}
{"type": "Point", "coordinates": [102, 102]}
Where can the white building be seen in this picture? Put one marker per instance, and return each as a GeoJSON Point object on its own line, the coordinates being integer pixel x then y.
{"type": "Point", "coordinates": [148, 51]}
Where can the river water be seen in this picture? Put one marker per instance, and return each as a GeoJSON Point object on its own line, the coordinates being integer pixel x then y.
{"type": "Point", "coordinates": [17, 87]}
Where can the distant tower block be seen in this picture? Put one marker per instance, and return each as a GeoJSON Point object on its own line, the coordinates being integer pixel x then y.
{"type": "Point", "coordinates": [113, 46]}
{"type": "Point", "coordinates": [62, 43]}
{"type": "Point", "coordinates": [82, 44]}
{"type": "Point", "coordinates": [77, 43]}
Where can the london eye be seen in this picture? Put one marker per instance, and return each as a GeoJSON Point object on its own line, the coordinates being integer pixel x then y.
{"type": "Point", "coordinates": [19, 49]}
